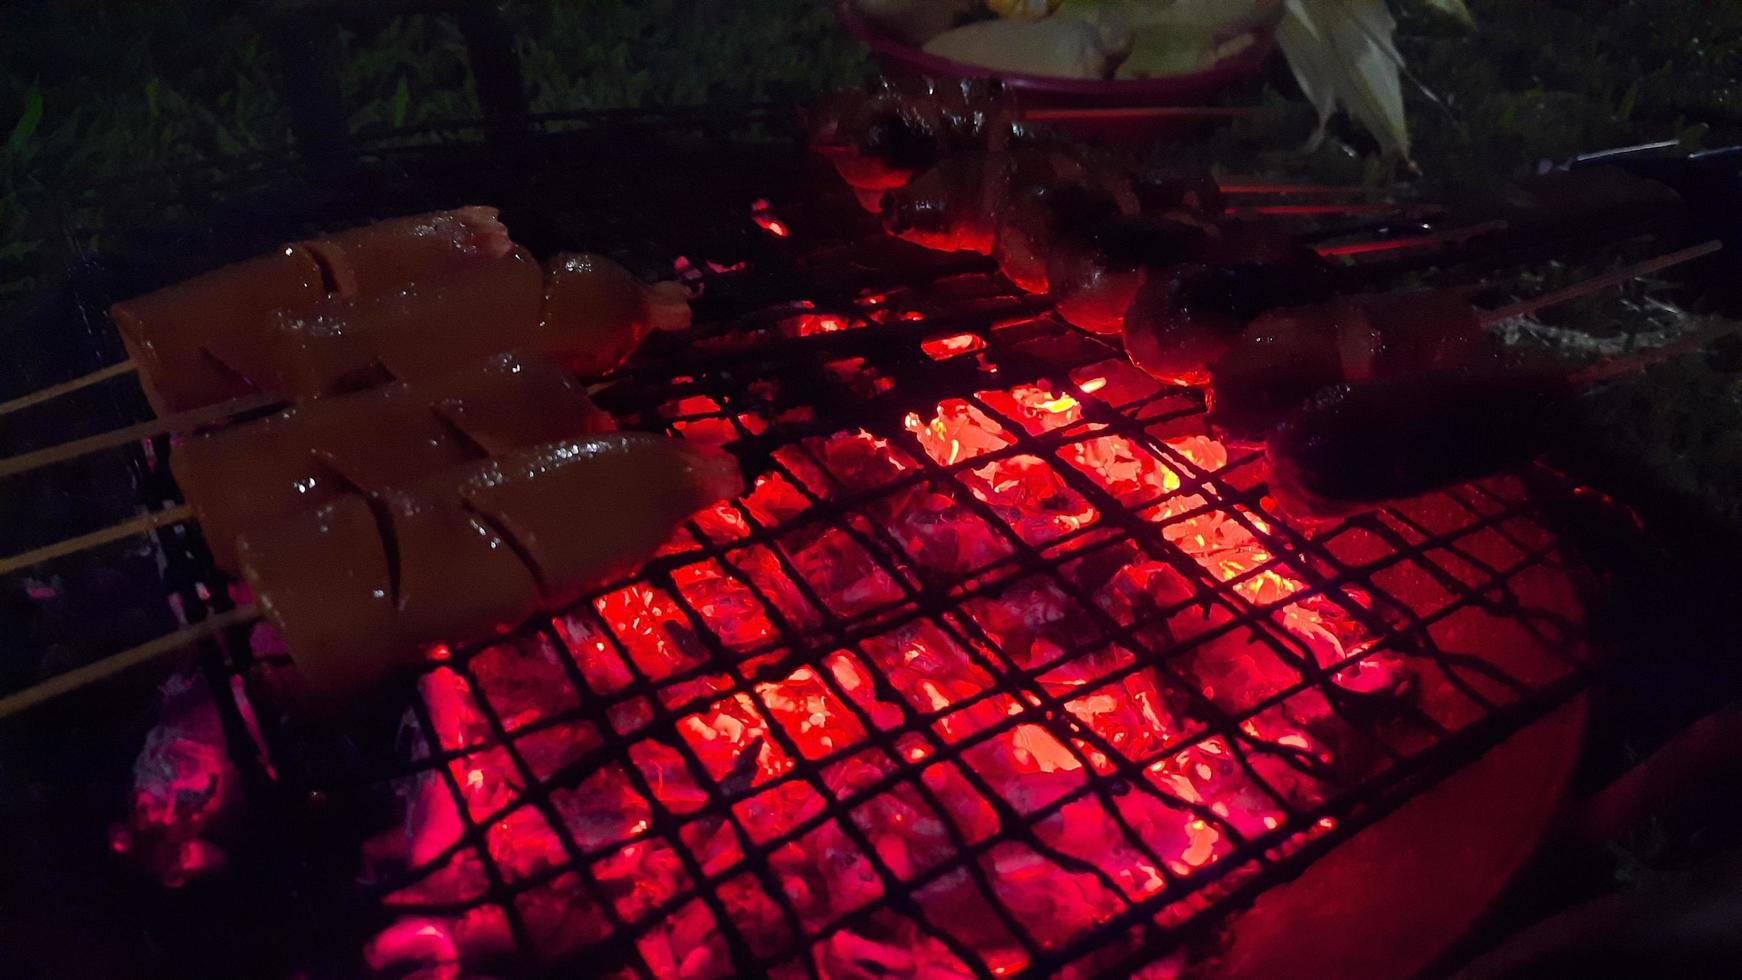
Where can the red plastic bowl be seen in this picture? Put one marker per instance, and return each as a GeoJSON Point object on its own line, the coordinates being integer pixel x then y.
{"type": "Point", "coordinates": [897, 57]}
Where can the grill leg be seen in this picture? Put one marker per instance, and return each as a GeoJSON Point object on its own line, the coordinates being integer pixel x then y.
{"type": "Point", "coordinates": [311, 91]}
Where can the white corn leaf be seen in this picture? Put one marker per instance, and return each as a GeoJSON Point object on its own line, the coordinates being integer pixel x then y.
{"type": "Point", "coordinates": [1341, 53]}
{"type": "Point", "coordinates": [1455, 9]}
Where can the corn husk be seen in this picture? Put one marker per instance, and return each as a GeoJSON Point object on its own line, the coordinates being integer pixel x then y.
{"type": "Point", "coordinates": [1341, 53]}
{"type": "Point", "coordinates": [1454, 9]}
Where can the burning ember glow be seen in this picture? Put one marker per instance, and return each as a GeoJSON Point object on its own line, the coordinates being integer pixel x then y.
{"type": "Point", "coordinates": [1019, 680]}
{"type": "Point", "coordinates": [1024, 765]}
{"type": "Point", "coordinates": [183, 781]}
{"type": "Point", "coordinates": [763, 214]}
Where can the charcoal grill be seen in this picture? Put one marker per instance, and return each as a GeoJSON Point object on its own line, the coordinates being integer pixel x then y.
{"type": "Point", "coordinates": [993, 585]}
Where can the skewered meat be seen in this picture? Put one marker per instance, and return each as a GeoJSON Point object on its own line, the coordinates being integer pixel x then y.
{"type": "Point", "coordinates": [248, 475]}
{"type": "Point", "coordinates": [596, 313]}
{"type": "Point", "coordinates": [171, 333]}
{"type": "Point", "coordinates": [1036, 218]}
{"type": "Point", "coordinates": [1095, 273]}
{"type": "Point", "coordinates": [166, 332]}
{"type": "Point", "coordinates": [360, 587]}
{"type": "Point", "coordinates": [878, 138]}
{"type": "Point", "coordinates": [1355, 445]}
{"type": "Point", "coordinates": [342, 345]}
{"type": "Point", "coordinates": [268, 325]}
{"type": "Point", "coordinates": [584, 310]}
{"type": "Point", "coordinates": [1287, 355]}
{"type": "Point", "coordinates": [1180, 322]}
{"type": "Point", "coordinates": [382, 257]}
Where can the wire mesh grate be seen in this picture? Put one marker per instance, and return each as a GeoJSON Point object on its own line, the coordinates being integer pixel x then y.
{"type": "Point", "coordinates": [1001, 665]}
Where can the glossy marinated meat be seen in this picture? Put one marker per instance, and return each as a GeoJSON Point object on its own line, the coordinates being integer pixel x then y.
{"type": "Point", "coordinates": [417, 330]}
{"type": "Point", "coordinates": [382, 257]}
{"type": "Point", "coordinates": [1096, 273]}
{"type": "Point", "coordinates": [596, 313]}
{"type": "Point", "coordinates": [248, 475]}
{"type": "Point", "coordinates": [879, 138]}
{"type": "Point", "coordinates": [168, 332]}
{"type": "Point", "coordinates": [360, 587]}
{"type": "Point", "coordinates": [1183, 319]}
{"type": "Point", "coordinates": [1286, 355]}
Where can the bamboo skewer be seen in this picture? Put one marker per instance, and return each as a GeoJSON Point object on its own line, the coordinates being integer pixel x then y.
{"type": "Point", "coordinates": [1253, 186]}
{"type": "Point", "coordinates": [179, 422]}
{"type": "Point", "coordinates": [110, 666]}
{"type": "Point", "coordinates": [1317, 210]}
{"type": "Point", "coordinates": [1596, 284]}
{"type": "Point", "coordinates": [52, 392]}
{"type": "Point", "coordinates": [60, 549]}
{"type": "Point", "coordinates": [1139, 112]}
{"type": "Point", "coordinates": [1451, 236]}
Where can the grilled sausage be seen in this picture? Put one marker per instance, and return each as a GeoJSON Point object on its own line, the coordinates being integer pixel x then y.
{"type": "Point", "coordinates": [360, 587]}
{"type": "Point", "coordinates": [253, 474]}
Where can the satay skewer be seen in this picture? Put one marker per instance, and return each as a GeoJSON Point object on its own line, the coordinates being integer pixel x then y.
{"type": "Point", "coordinates": [1136, 112]}
{"type": "Point", "coordinates": [1526, 307]}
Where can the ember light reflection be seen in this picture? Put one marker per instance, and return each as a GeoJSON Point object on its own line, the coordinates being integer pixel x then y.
{"type": "Point", "coordinates": [1070, 680]}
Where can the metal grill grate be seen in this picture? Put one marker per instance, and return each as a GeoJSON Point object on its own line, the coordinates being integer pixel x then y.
{"type": "Point", "coordinates": [1001, 666]}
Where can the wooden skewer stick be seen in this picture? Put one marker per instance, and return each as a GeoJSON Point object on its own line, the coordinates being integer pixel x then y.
{"type": "Point", "coordinates": [1451, 236]}
{"type": "Point", "coordinates": [52, 392]}
{"type": "Point", "coordinates": [1253, 186]}
{"type": "Point", "coordinates": [1314, 210]}
{"type": "Point", "coordinates": [60, 549]}
{"type": "Point", "coordinates": [146, 652]}
{"type": "Point", "coordinates": [179, 422]}
{"type": "Point", "coordinates": [1626, 364]}
{"type": "Point", "coordinates": [1140, 112]}
{"type": "Point", "coordinates": [1619, 277]}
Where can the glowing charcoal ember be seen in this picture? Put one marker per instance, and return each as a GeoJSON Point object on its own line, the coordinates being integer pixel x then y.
{"type": "Point", "coordinates": [814, 718]}
{"type": "Point", "coordinates": [653, 629]}
{"type": "Point", "coordinates": [603, 670]}
{"type": "Point", "coordinates": [664, 768]}
{"type": "Point", "coordinates": [522, 844]}
{"type": "Point", "coordinates": [1122, 691]}
{"type": "Point", "coordinates": [525, 682]}
{"type": "Point", "coordinates": [812, 324]}
{"type": "Point", "coordinates": [959, 431]}
{"type": "Point", "coordinates": [640, 876]}
{"type": "Point", "coordinates": [561, 916]}
{"type": "Point", "coordinates": [1053, 903]}
{"type": "Point", "coordinates": [183, 781]}
{"type": "Point", "coordinates": [952, 345]}
{"type": "Point", "coordinates": [427, 945]}
{"type": "Point", "coordinates": [945, 537]}
{"type": "Point", "coordinates": [731, 739]}
{"type": "Point", "coordinates": [825, 875]}
{"type": "Point", "coordinates": [842, 573]}
{"type": "Point", "coordinates": [1033, 621]}
{"type": "Point", "coordinates": [763, 214]}
{"type": "Point", "coordinates": [726, 604]}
